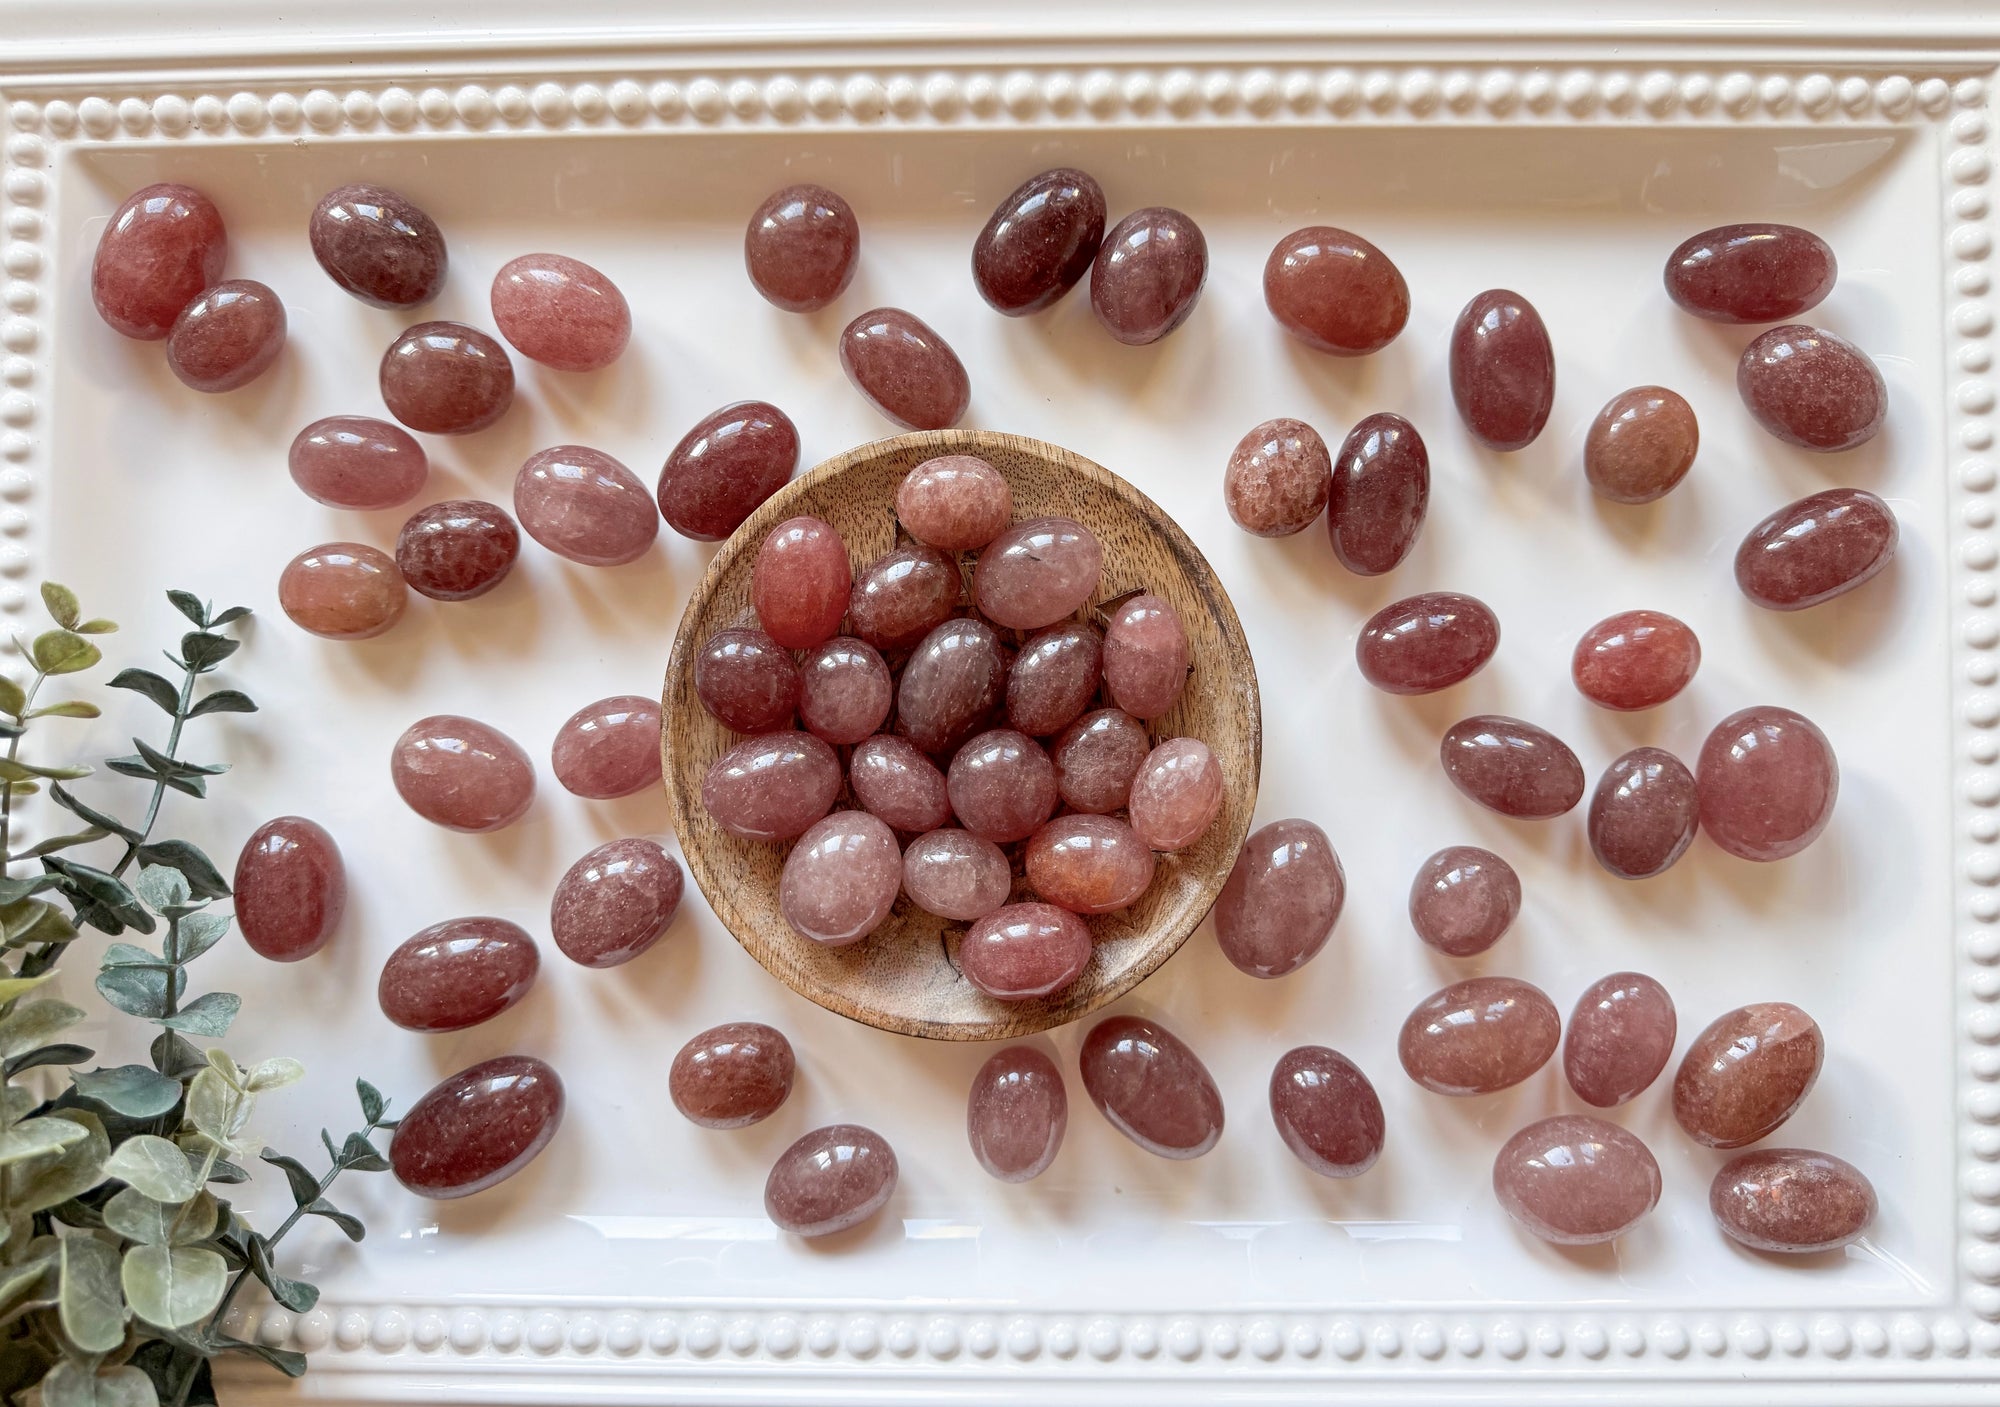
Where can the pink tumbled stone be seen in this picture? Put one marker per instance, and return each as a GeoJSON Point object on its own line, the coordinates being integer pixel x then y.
{"type": "Point", "coordinates": [956, 875]}
{"type": "Point", "coordinates": [343, 591]}
{"type": "Point", "coordinates": [1096, 759]}
{"type": "Point", "coordinates": [904, 595]}
{"type": "Point", "coordinates": [846, 691]}
{"type": "Point", "coordinates": [1768, 781]}
{"type": "Point", "coordinates": [1751, 273]}
{"type": "Point", "coordinates": [228, 337]}
{"type": "Point", "coordinates": [1145, 656]}
{"type": "Point", "coordinates": [462, 774]}
{"type": "Point", "coordinates": [355, 461]}
{"type": "Point", "coordinates": [829, 1180]}
{"type": "Point", "coordinates": [1088, 864]}
{"type": "Point", "coordinates": [1148, 275]}
{"type": "Point", "coordinates": [378, 245]}
{"type": "Point", "coordinates": [1463, 899]}
{"type": "Point", "coordinates": [615, 902]}
{"type": "Point", "coordinates": [445, 378]}
{"type": "Point", "coordinates": [841, 879]}
{"type": "Point", "coordinates": [1635, 660]}
{"type": "Point", "coordinates": [1326, 1111]}
{"type": "Point", "coordinates": [1054, 678]}
{"type": "Point", "coordinates": [1278, 478]}
{"type": "Point", "coordinates": [1791, 1201]}
{"type": "Point", "coordinates": [291, 889]}
{"type": "Point", "coordinates": [1017, 1113]}
{"type": "Point", "coordinates": [1820, 547]}
{"type": "Point", "coordinates": [1576, 1180]}
{"type": "Point", "coordinates": [731, 461]}
{"type": "Point", "coordinates": [560, 312]}
{"type": "Point", "coordinates": [1002, 785]}
{"type": "Point", "coordinates": [582, 504]}
{"type": "Point", "coordinates": [747, 681]}
{"type": "Point", "coordinates": [957, 502]}
{"type": "Point", "coordinates": [1024, 951]}
{"type": "Point", "coordinates": [456, 974]}
{"type": "Point", "coordinates": [1511, 766]}
{"type": "Point", "coordinates": [477, 1127]}
{"type": "Point", "coordinates": [1335, 291]}
{"type": "Point", "coordinates": [771, 787]}
{"type": "Point", "coordinates": [1503, 370]}
{"type": "Point", "coordinates": [799, 582]}
{"type": "Point", "coordinates": [905, 370]}
{"type": "Point", "coordinates": [801, 246]}
{"type": "Point", "coordinates": [1746, 1073]}
{"type": "Point", "coordinates": [733, 1075]}
{"type": "Point", "coordinates": [895, 781]}
{"type": "Point", "coordinates": [163, 246]}
{"type": "Point", "coordinates": [609, 748]}
{"type": "Point", "coordinates": [1151, 1087]}
{"type": "Point", "coordinates": [950, 685]}
{"type": "Point", "coordinates": [1812, 389]}
{"type": "Point", "coordinates": [1643, 814]}
{"type": "Point", "coordinates": [1037, 572]}
{"type": "Point", "coordinates": [1427, 642]}
{"type": "Point", "coordinates": [1479, 1035]}
{"type": "Point", "coordinates": [1620, 1037]}
{"type": "Point", "coordinates": [1176, 795]}
{"type": "Point", "coordinates": [1281, 900]}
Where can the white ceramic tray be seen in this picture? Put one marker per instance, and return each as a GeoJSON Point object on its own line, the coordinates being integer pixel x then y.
{"type": "Point", "coordinates": [632, 1261]}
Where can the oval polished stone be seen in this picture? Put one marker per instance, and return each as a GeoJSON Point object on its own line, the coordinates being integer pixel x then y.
{"type": "Point", "coordinates": [1380, 490]}
{"type": "Point", "coordinates": [1478, 1036]}
{"type": "Point", "coordinates": [1278, 478]}
{"type": "Point", "coordinates": [950, 685]}
{"type": "Point", "coordinates": [609, 748]}
{"type": "Point", "coordinates": [227, 337]}
{"type": "Point", "coordinates": [1791, 1200]}
{"type": "Point", "coordinates": [771, 787]}
{"type": "Point", "coordinates": [1176, 794]}
{"type": "Point", "coordinates": [582, 504]}
{"type": "Point", "coordinates": [162, 247]}
{"type": "Point", "coordinates": [904, 595]}
{"type": "Point", "coordinates": [378, 245]}
{"type": "Point", "coordinates": [1768, 781]}
{"type": "Point", "coordinates": [445, 378]}
{"type": "Point", "coordinates": [1644, 813]}
{"type": "Point", "coordinates": [1503, 370]}
{"type": "Point", "coordinates": [1812, 389]}
{"type": "Point", "coordinates": [841, 879]}
{"type": "Point", "coordinates": [1621, 1035]}
{"type": "Point", "coordinates": [1746, 1073]}
{"type": "Point", "coordinates": [905, 370]}
{"type": "Point", "coordinates": [1281, 900]}
{"type": "Point", "coordinates": [954, 874]}
{"type": "Point", "coordinates": [477, 1127]}
{"type": "Point", "coordinates": [1151, 1087]}
{"type": "Point", "coordinates": [1096, 759]}
{"type": "Point", "coordinates": [1511, 766]}
{"type": "Point", "coordinates": [1088, 864]}
{"type": "Point", "coordinates": [799, 582]}
{"type": "Point", "coordinates": [458, 549]}
{"type": "Point", "coordinates": [462, 774]}
{"type": "Point", "coordinates": [1576, 1180]}
{"type": "Point", "coordinates": [1463, 899]}
{"type": "Point", "coordinates": [615, 902]}
{"type": "Point", "coordinates": [1335, 291]}
{"type": "Point", "coordinates": [1635, 660]}
{"type": "Point", "coordinates": [1017, 1113]}
{"type": "Point", "coordinates": [1054, 678]}
{"type": "Point", "coordinates": [1641, 445]}
{"type": "Point", "coordinates": [1001, 785]}
{"type": "Point", "coordinates": [1037, 572]}
{"type": "Point", "coordinates": [1022, 951]}
{"type": "Point", "coordinates": [291, 889]}
{"type": "Point", "coordinates": [747, 681]}
{"type": "Point", "coordinates": [1038, 242]}
{"type": "Point", "coordinates": [560, 312]}
{"type": "Point", "coordinates": [1145, 657]}
{"type": "Point", "coordinates": [355, 461]}
{"type": "Point", "coordinates": [1425, 643]}
{"type": "Point", "coordinates": [845, 691]}
{"type": "Point", "coordinates": [343, 591]}
{"type": "Point", "coordinates": [800, 247]}
{"type": "Point", "coordinates": [1750, 273]}
{"type": "Point", "coordinates": [893, 780]}
{"type": "Point", "coordinates": [730, 462]}
{"type": "Point", "coordinates": [1148, 275]}
{"type": "Point", "coordinates": [956, 502]}
{"type": "Point", "coordinates": [1326, 1111]}
{"type": "Point", "coordinates": [733, 1075]}
{"type": "Point", "coordinates": [1820, 547]}
{"type": "Point", "coordinates": [829, 1180]}
{"type": "Point", "coordinates": [457, 974]}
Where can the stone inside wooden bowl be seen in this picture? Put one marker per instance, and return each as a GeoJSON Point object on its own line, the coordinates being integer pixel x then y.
{"type": "Point", "coordinates": [904, 977]}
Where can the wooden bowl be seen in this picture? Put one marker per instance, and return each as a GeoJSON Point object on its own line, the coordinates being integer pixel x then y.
{"type": "Point", "coordinates": [904, 977]}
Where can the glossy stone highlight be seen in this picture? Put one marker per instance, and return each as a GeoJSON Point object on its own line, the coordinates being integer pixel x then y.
{"type": "Point", "coordinates": [733, 1075]}
{"type": "Point", "coordinates": [1326, 1111]}
{"type": "Point", "coordinates": [1463, 900]}
{"type": "Point", "coordinates": [1151, 1087]}
{"type": "Point", "coordinates": [1002, 785]}
{"type": "Point", "coordinates": [1038, 242]}
{"type": "Point", "coordinates": [1016, 1114]}
{"type": "Point", "coordinates": [799, 582]}
{"type": "Point", "coordinates": [163, 246]}
{"type": "Point", "coordinates": [1576, 1180]}
{"type": "Point", "coordinates": [956, 502]}
{"type": "Point", "coordinates": [291, 889]}
{"type": "Point", "coordinates": [378, 245]}
{"type": "Point", "coordinates": [771, 787]}
{"type": "Point", "coordinates": [1088, 864]}
{"type": "Point", "coordinates": [1335, 291]}
{"type": "Point", "coordinates": [729, 463]}
{"type": "Point", "coordinates": [905, 370]}
{"type": "Point", "coordinates": [1145, 656]}
{"type": "Point", "coordinates": [1503, 370]}
{"type": "Point", "coordinates": [904, 595]}
{"type": "Point", "coordinates": [1620, 1037]}
{"type": "Point", "coordinates": [1425, 643]}
{"type": "Point", "coordinates": [1037, 572]}
{"type": "Point", "coordinates": [1176, 794]}
{"type": "Point", "coordinates": [1812, 389]}
{"type": "Point", "coordinates": [954, 874]}
{"type": "Point", "coordinates": [1380, 490]}
{"type": "Point", "coordinates": [457, 549]}
{"type": "Point", "coordinates": [227, 337]}
{"type": "Point", "coordinates": [1746, 1073]}
{"type": "Point", "coordinates": [342, 591]}
{"type": "Point", "coordinates": [1511, 766]}
{"type": "Point", "coordinates": [1023, 951]}
{"type": "Point", "coordinates": [609, 748]}
{"type": "Point", "coordinates": [1635, 660]}
{"type": "Point", "coordinates": [477, 1128]}
{"type": "Point", "coordinates": [457, 974]}
{"type": "Point", "coordinates": [615, 902]}
{"type": "Point", "coordinates": [846, 691]}
{"type": "Point", "coordinates": [1148, 275]}
{"type": "Point", "coordinates": [1478, 1036]}
{"type": "Point", "coordinates": [462, 774]}
{"type": "Point", "coordinates": [747, 681]}
{"type": "Point", "coordinates": [831, 1179]}
{"type": "Point", "coordinates": [1750, 273]}
{"type": "Point", "coordinates": [1096, 759]}
{"type": "Point", "coordinates": [1281, 900]}
{"type": "Point", "coordinates": [355, 461]}
{"type": "Point", "coordinates": [950, 685]}
{"type": "Point", "coordinates": [1278, 478]}
{"type": "Point", "coordinates": [800, 247]}
{"type": "Point", "coordinates": [1768, 781]}
{"type": "Point", "coordinates": [582, 504]}
{"type": "Point", "coordinates": [841, 879]}
{"type": "Point", "coordinates": [1792, 1201]}
{"type": "Point", "coordinates": [1820, 547]}
{"type": "Point", "coordinates": [893, 780]}
{"type": "Point", "coordinates": [560, 312]}
{"type": "Point", "coordinates": [1644, 813]}
{"type": "Point", "coordinates": [1641, 445]}
{"type": "Point", "coordinates": [1054, 678]}
{"type": "Point", "coordinates": [445, 378]}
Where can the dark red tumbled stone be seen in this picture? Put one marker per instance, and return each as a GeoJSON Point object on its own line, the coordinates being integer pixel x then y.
{"type": "Point", "coordinates": [1326, 1111]}
{"type": "Point", "coordinates": [1148, 275]}
{"type": "Point", "coordinates": [458, 549]}
{"type": "Point", "coordinates": [1576, 1180]}
{"type": "Point", "coordinates": [615, 902]}
{"type": "Point", "coordinates": [747, 681]}
{"type": "Point", "coordinates": [1096, 759]}
{"type": "Point", "coordinates": [1054, 678]}
{"type": "Point", "coordinates": [163, 246]}
{"type": "Point", "coordinates": [800, 247]}
{"type": "Point", "coordinates": [905, 369]}
{"type": "Point", "coordinates": [1635, 660]}
{"type": "Point", "coordinates": [457, 974]}
{"type": "Point", "coordinates": [1017, 1113]}
{"type": "Point", "coordinates": [1820, 547]}
{"type": "Point", "coordinates": [1512, 766]}
{"type": "Point", "coordinates": [1151, 1087]}
{"type": "Point", "coordinates": [1381, 488]}
{"type": "Point", "coordinates": [445, 378]}
{"type": "Point", "coordinates": [1281, 900]}
{"type": "Point", "coordinates": [1039, 241]}
{"type": "Point", "coordinates": [609, 748]}
{"type": "Point", "coordinates": [1425, 643]}
{"type": "Point", "coordinates": [731, 461]}
{"type": "Point", "coordinates": [950, 685]}
{"type": "Point", "coordinates": [560, 312]}
{"type": "Point", "coordinates": [1812, 389]}
{"type": "Point", "coordinates": [1037, 572]}
{"type": "Point", "coordinates": [894, 781]}
{"type": "Point", "coordinates": [1088, 864]}
{"type": "Point", "coordinates": [1644, 813]}
{"type": "Point", "coordinates": [1145, 656]}
{"type": "Point", "coordinates": [227, 337]}
{"type": "Point", "coordinates": [773, 786]}
{"type": "Point", "coordinates": [956, 502]}
{"type": "Point", "coordinates": [1768, 780]}
{"type": "Point", "coordinates": [904, 595]}
{"type": "Point", "coordinates": [1335, 291]}
{"type": "Point", "coordinates": [733, 1075]}
{"type": "Point", "coordinates": [291, 889]}
{"type": "Point", "coordinates": [1503, 370]}
{"type": "Point", "coordinates": [829, 1180]}
{"type": "Point", "coordinates": [477, 1127]}
{"type": "Point", "coordinates": [378, 245]}
{"type": "Point", "coordinates": [343, 591]}
{"type": "Point", "coordinates": [1001, 785]}
{"type": "Point", "coordinates": [1750, 273]}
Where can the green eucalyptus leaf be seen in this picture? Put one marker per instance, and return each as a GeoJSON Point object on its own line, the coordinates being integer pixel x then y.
{"type": "Point", "coordinates": [305, 1187]}
{"type": "Point", "coordinates": [162, 887]}
{"type": "Point", "coordinates": [223, 701]}
{"type": "Point", "coordinates": [33, 1024]}
{"type": "Point", "coordinates": [218, 1111]}
{"type": "Point", "coordinates": [13, 770]}
{"type": "Point", "coordinates": [144, 681]}
{"type": "Point", "coordinates": [173, 1285]}
{"type": "Point", "coordinates": [200, 872]}
{"type": "Point", "coordinates": [61, 842]}
{"type": "Point", "coordinates": [26, 921]}
{"type": "Point", "coordinates": [92, 1311]}
{"type": "Point", "coordinates": [178, 1369]}
{"type": "Point", "coordinates": [226, 616]}
{"type": "Point", "coordinates": [16, 1281]}
{"type": "Point", "coordinates": [74, 1384]}
{"type": "Point", "coordinates": [372, 1103]}
{"type": "Point", "coordinates": [41, 1183]}
{"type": "Point", "coordinates": [67, 708]}
{"type": "Point", "coordinates": [62, 604]}
{"type": "Point", "coordinates": [292, 1364]}
{"type": "Point", "coordinates": [12, 987]}
{"type": "Point", "coordinates": [23, 788]}
{"type": "Point", "coordinates": [346, 1221]}
{"type": "Point", "coordinates": [222, 1170]}
{"type": "Point", "coordinates": [189, 605]}
{"type": "Point", "coordinates": [145, 771]}
{"type": "Point", "coordinates": [34, 1138]}
{"type": "Point", "coordinates": [359, 1155]}
{"type": "Point", "coordinates": [173, 1055]}
{"type": "Point", "coordinates": [209, 1014]}
{"type": "Point", "coordinates": [60, 1054]}
{"type": "Point", "coordinates": [102, 889]}
{"type": "Point", "coordinates": [137, 1217]}
{"type": "Point", "coordinates": [132, 1090]}
{"type": "Point", "coordinates": [131, 955]}
{"type": "Point", "coordinates": [64, 652]}
{"type": "Point", "coordinates": [98, 625]}
{"type": "Point", "coordinates": [275, 1073]}
{"type": "Point", "coordinates": [12, 697]}
{"type": "Point", "coordinates": [16, 1103]}
{"type": "Point", "coordinates": [198, 933]}
{"type": "Point", "coordinates": [13, 890]}
{"type": "Point", "coordinates": [154, 1166]}
{"type": "Point", "coordinates": [177, 766]}
{"type": "Point", "coordinates": [202, 651]}
{"type": "Point", "coordinates": [140, 991]}
{"type": "Point", "coordinates": [88, 815]}
{"type": "Point", "coordinates": [295, 1295]}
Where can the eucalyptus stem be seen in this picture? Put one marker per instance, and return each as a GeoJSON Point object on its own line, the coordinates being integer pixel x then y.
{"type": "Point", "coordinates": [145, 827]}
{"type": "Point", "coordinates": [13, 754]}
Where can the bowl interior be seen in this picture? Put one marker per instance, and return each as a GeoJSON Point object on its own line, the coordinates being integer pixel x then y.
{"type": "Point", "coordinates": [904, 977]}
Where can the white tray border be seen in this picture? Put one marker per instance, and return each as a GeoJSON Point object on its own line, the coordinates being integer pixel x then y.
{"type": "Point", "coordinates": [738, 1352]}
